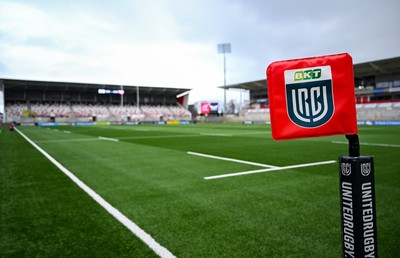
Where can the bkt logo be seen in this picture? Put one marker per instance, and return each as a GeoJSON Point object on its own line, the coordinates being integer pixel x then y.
{"type": "Point", "coordinates": [307, 75]}
{"type": "Point", "coordinates": [309, 96]}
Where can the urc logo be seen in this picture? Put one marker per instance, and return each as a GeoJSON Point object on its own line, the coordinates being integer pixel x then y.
{"type": "Point", "coordinates": [309, 96]}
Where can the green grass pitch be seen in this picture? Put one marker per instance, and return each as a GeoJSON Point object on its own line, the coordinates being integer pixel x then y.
{"type": "Point", "coordinates": [149, 176]}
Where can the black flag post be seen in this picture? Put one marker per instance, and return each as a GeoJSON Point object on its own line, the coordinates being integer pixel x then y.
{"type": "Point", "coordinates": [357, 202]}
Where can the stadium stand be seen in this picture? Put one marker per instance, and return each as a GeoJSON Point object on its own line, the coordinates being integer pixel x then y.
{"type": "Point", "coordinates": [377, 88]}
{"type": "Point", "coordinates": [378, 111]}
{"type": "Point", "coordinates": [15, 110]}
{"type": "Point", "coordinates": [50, 110]}
{"type": "Point", "coordinates": [89, 110]}
{"type": "Point", "coordinates": [365, 112]}
{"type": "Point", "coordinates": [166, 112]}
{"type": "Point", "coordinates": [256, 115]}
{"type": "Point", "coordinates": [45, 101]}
{"type": "Point", "coordinates": [180, 111]}
{"type": "Point", "coordinates": [39, 112]}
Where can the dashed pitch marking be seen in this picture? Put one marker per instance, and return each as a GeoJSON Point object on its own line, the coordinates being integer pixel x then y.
{"type": "Point", "coordinates": [108, 139]}
{"type": "Point", "coordinates": [135, 229]}
{"type": "Point", "coordinates": [266, 169]}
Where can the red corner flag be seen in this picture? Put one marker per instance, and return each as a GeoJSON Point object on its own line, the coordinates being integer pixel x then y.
{"type": "Point", "coordinates": [312, 97]}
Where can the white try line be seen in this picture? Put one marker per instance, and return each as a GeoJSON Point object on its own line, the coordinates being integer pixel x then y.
{"type": "Point", "coordinates": [135, 229]}
{"type": "Point", "coordinates": [270, 169]}
{"type": "Point", "coordinates": [266, 169]}
{"type": "Point", "coordinates": [108, 139]}
{"type": "Point", "coordinates": [371, 144]}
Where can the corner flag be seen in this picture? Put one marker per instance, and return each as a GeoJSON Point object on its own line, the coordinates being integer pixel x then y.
{"type": "Point", "coordinates": [312, 97]}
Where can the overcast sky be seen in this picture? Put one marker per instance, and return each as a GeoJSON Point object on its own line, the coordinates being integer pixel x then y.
{"type": "Point", "coordinates": [173, 43]}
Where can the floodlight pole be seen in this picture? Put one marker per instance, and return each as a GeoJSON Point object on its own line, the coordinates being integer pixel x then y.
{"type": "Point", "coordinates": [122, 96]}
{"type": "Point", "coordinates": [137, 100]}
{"type": "Point", "coordinates": [224, 84]}
{"type": "Point", "coordinates": [224, 48]}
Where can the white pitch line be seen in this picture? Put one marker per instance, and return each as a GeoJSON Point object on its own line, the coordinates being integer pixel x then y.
{"type": "Point", "coordinates": [371, 144]}
{"type": "Point", "coordinates": [123, 138]}
{"type": "Point", "coordinates": [217, 134]}
{"type": "Point", "coordinates": [108, 139]}
{"type": "Point", "coordinates": [270, 169]}
{"type": "Point", "coordinates": [70, 140]}
{"type": "Point", "coordinates": [264, 132]}
{"type": "Point", "coordinates": [229, 159]}
{"type": "Point", "coordinates": [159, 136]}
{"type": "Point", "coordinates": [135, 229]}
{"type": "Point", "coordinates": [67, 132]}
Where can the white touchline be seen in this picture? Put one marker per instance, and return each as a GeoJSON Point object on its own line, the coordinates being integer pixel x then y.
{"type": "Point", "coordinates": [270, 169]}
{"type": "Point", "coordinates": [371, 144]}
{"type": "Point", "coordinates": [229, 159]}
{"type": "Point", "coordinates": [135, 229]}
{"type": "Point", "coordinates": [108, 139]}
